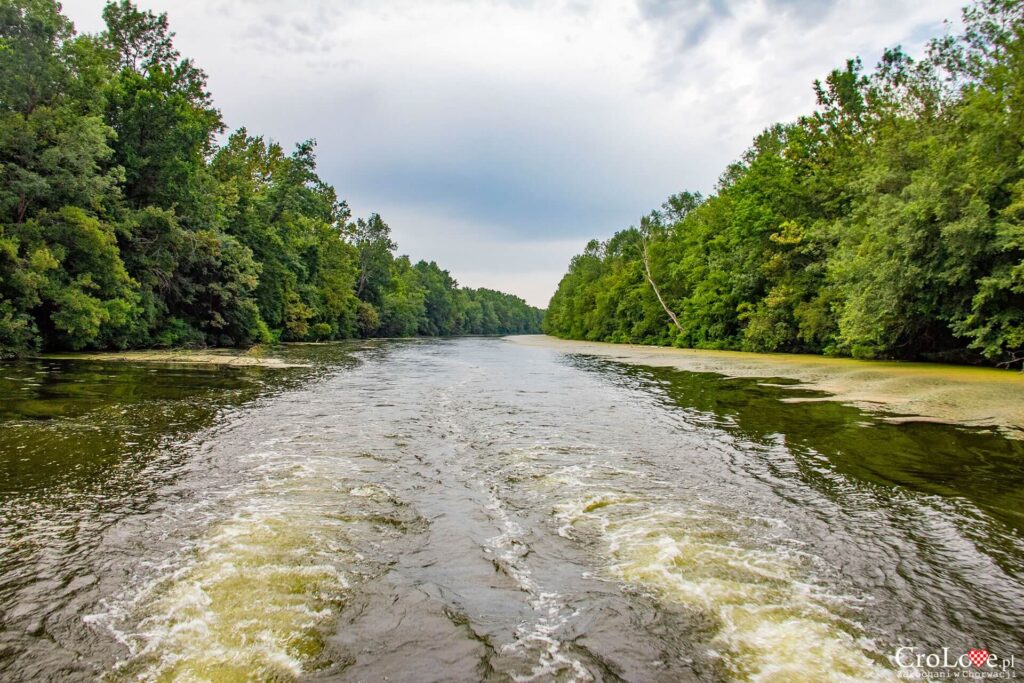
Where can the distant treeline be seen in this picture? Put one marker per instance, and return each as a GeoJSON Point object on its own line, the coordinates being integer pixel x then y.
{"type": "Point", "coordinates": [889, 223]}
{"type": "Point", "coordinates": [124, 224]}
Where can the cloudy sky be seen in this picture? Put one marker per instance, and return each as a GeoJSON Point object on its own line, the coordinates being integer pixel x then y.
{"type": "Point", "coordinates": [498, 137]}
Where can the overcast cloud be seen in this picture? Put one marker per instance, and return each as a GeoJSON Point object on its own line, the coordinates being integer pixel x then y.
{"type": "Point", "coordinates": [498, 137]}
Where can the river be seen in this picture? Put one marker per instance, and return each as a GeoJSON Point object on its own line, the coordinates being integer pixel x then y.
{"type": "Point", "coordinates": [472, 509]}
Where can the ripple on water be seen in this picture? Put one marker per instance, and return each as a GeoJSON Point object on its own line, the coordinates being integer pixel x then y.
{"type": "Point", "coordinates": [253, 602]}
{"type": "Point", "coordinates": [257, 595]}
{"type": "Point", "coordinates": [538, 639]}
{"type": "Point", "coordinates": [772, 621]}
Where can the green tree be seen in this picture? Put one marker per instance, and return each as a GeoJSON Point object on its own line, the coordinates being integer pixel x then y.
{"type": "Point", "coordinates": [123, 223]}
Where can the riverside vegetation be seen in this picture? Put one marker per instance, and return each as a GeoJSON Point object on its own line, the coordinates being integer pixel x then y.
{"type": "Point", "coordinates": [888, 223]}
{"type": "Point", "coordinates": [125, 223]}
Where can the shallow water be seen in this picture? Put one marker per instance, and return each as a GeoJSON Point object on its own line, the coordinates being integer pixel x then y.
{"type": "Point", "coordinates": [477, 510]}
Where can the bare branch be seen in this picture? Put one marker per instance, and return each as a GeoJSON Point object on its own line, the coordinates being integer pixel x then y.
{"type": "Point", "coordinates": [657, 293]}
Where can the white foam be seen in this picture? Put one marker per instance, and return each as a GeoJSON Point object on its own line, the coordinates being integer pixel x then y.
{"type": "Point", "coordinates": [538, 636]}
{"type": "Point", "coordinates": [252, 596]}
{"type": "Point", "coordinates": [774, 621]}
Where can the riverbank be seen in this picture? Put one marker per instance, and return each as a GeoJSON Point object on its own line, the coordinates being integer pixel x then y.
{"type": "Point", "coordinates": [219, 357]}
{"type": "Point", "coordinates": [970, 396]}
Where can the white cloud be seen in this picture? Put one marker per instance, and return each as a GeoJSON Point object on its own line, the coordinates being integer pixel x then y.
{"type": "Point", "coordinates": [498, 136]}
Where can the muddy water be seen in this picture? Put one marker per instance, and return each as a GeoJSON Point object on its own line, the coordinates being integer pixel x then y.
{"type": "Point", "coordinates": [477, 510]}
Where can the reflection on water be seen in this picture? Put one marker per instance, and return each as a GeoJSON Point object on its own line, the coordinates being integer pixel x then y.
{"type": "Point", "coordinates": [85, 445]}
{"type": "Point", "coordinates": [919, 519]}
{"type": "Point", "coordinates": [474, 510]}
{"type": "Point", "coordinates": [975, 464]}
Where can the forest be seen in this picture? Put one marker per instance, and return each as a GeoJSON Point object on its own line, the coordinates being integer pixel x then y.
{"type": "Point", "coordinates": [887, 223]}
{"type": "Point", "coordinates": [129, 217]}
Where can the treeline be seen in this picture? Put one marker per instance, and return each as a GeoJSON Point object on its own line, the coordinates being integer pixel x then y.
{"type": "Point", "coordinates": [123, 223]}
{"type": "Point", "coordinates": [889, 223]}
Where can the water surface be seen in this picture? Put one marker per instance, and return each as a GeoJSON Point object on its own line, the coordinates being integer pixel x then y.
{"type": "Point", "coordinates": [476, 510]}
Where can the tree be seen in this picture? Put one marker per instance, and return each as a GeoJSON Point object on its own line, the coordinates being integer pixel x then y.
{"type": "Point", "coordinates": [123, 223]}
{"type": "Point", "coordinates": [372, 238]}
{"type": "Point", "coordinates": [886, 223]}
{"type": "Point", "coordinates": [158, 105]}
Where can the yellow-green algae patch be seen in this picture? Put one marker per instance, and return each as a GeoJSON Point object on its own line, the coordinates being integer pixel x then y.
{"type": "Point", "coordinates": [912, 391]}
{"type": "Point", "coordinates": [250, 358]}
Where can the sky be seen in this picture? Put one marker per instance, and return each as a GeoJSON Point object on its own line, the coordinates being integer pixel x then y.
{"type": "Point", "coordinates": [498, 137]}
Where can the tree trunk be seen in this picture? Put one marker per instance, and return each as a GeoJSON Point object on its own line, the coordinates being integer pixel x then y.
{"type": "Point", "coordinates": [22, 209]}
{"type": "Point", "coordinates": [657, 293]}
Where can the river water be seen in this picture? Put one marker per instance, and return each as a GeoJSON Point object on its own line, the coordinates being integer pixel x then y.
{"type": "Point", "coordinates": [473, 509]}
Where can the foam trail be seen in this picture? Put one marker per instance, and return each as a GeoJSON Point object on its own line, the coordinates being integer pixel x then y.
{"type": "Point", "coordinates": [253, 597]}
{"type": "Point", "coordinates": [772, 622]}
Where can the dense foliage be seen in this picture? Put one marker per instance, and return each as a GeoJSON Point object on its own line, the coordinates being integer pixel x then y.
{"type": "Point", "coordinates": [888, 223]}
{"type": "Point", "coordinates": [124, 223]}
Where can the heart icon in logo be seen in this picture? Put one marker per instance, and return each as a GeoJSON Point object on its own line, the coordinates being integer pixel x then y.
{"type": "Point", "coordinates": [977, 657]}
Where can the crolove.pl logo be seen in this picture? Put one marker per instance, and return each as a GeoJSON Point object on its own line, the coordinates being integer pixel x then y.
{"type": "Point", "coordinates": [977, 663]}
